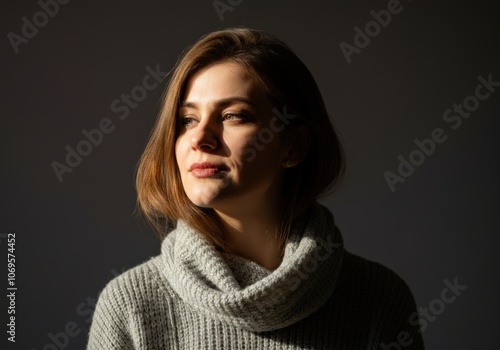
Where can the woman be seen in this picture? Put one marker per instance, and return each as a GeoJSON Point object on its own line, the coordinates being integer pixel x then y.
{"type": "Point", "coordinates": [240, 152]}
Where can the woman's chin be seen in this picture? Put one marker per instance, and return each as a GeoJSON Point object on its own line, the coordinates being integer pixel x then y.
{"type": "Point", "coordinates": [205, 201]}
{"type": "Point", "coordinates": [207, 195]}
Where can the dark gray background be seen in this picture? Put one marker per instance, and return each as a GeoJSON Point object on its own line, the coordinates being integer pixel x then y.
{"type": "Point", "coordinates": [74, 236]}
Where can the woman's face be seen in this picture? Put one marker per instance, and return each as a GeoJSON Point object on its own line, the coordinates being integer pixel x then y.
{"type": "Point", "coordinates": [222, 117]}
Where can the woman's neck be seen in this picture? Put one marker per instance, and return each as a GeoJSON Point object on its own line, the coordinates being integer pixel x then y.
{"type": "Point", "coordinates": [252, 235]}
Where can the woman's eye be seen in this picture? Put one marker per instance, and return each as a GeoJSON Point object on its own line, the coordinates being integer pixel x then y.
{"type": "Point", "coordinates": [234, 116]}
{"type": "Point", "coordinates": [186, 121]}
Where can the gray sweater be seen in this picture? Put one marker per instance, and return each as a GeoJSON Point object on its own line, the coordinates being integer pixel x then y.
{"type": "Point", "coordinates": [320, 297]}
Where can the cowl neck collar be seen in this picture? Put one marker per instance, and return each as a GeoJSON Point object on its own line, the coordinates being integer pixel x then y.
{"type": "Point", "coordinates": [243, 294]}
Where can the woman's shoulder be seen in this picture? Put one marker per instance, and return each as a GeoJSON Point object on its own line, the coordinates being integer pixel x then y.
{"type": "Point", "coordinates": [136, 290]}
{"type": "Point", "coordinates": [372, 276]}
{"type": "Point", "coordinates": [137, 281]}
{"type": "Point", "coordinates": [372, 291]}
{"type": "Point", "coordinates": [125, 305]}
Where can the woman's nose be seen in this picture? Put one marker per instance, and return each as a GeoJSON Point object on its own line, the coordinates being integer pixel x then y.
{"type": "Point", "coordinates": [204, 137]}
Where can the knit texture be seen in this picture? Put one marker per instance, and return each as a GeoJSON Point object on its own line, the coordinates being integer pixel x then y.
{"type": "Point", "coordinates": [320, 297]}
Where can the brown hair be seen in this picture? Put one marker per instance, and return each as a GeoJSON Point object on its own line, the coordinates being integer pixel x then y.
{"type": "Point", "coordinates": [286, 82]}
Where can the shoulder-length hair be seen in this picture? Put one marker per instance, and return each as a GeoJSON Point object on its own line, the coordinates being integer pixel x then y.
{"type": "Point", "coordinates": [287, 83]}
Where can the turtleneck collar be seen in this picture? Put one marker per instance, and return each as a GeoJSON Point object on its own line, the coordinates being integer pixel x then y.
{"type": "Point", "coordinates": [243, 294]}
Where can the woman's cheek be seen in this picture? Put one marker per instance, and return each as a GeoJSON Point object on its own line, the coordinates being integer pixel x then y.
{"type": "Point", "coordinates": [250, 148]}
{"type": "Point", "coordinates": [182, 150]}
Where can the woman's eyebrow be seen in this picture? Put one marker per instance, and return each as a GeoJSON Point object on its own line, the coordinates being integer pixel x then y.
{"type": "Point", "coordinates": [220, 103]}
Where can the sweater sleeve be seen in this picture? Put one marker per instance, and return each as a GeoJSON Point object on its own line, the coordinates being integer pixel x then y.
{"type": "Point", "coordinates": [109, 329]}
{"type": "Point", "coordinates": [397, 318]}
{"type": "Point", "coordinates": [134, 312]}
{"type": "Point", "coordinates": [377, 300]}
{"type": "Point", "coordinates": [405, 331]}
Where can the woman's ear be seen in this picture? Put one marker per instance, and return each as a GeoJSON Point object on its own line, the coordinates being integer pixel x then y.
{"type": "Point", "coordinates": [298, 144]}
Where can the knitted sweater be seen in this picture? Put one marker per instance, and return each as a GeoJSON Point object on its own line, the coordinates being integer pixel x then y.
{"type": "Point", "coordinates": [320, 297]}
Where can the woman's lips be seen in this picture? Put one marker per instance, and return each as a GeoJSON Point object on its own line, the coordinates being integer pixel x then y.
{"type": "Point", "coordinates": [206, 169]}
{"type": "Point", "coordinates": [205, 172]}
